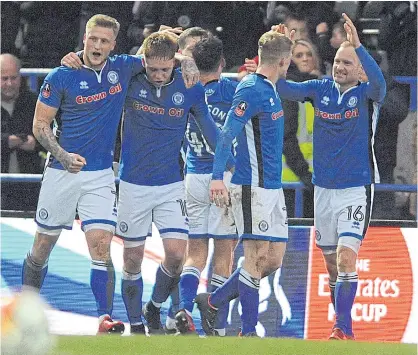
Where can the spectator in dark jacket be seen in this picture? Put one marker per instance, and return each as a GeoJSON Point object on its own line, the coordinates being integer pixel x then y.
{"type": "Point", "coordinates": [20, 152]}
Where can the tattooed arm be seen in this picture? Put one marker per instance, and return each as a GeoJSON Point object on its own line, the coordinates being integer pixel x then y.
{"type": "Point", "coordinates": [44, 115]}
{"type": "Point", "coordinates": [189, 70]}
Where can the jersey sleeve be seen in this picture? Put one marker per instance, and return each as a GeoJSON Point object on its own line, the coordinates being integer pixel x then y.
{"type": "Point", "coordinates": [293, 91]}
{"type": "Point", "coordinates": [376, 87]}
{"type": "Point", "coordinates": [246, 104]}
{"type": "Point", "coordinates": [52, 89]}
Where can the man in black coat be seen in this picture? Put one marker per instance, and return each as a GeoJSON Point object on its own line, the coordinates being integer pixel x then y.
{"type": "Point", "coordinates": [20, 152]}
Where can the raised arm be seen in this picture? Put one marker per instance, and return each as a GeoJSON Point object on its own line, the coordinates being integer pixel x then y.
{"type": "Point", "coordinates": [377, 84]}
{"type": "Point", "coordinates": [44, 115]}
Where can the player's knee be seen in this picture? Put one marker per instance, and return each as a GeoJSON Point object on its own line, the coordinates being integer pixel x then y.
{"type": "Point", "coordinates": [99, 249]}
{"type": "Point", "coordinates": [346, 260]}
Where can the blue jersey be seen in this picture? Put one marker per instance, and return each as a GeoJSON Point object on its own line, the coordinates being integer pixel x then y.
{"type": "Point", "coordinates": [90, 106]}
{"type": "Point", "coordinates": [256, 119]}
{"type": "Point", "coordinates": [344, 126]}
{"type": "Point", "coordinates": [219, 96]}
{"type": "Point", "coordinates": [154, 126]}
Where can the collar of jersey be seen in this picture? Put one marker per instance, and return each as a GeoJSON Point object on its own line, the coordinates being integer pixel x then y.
{"type": "Point", "coordinates": [98, 75]}
{"type": "Point", "coordinates": [211, 81]}
{"type": "Point", "coordinates": [340, 96]}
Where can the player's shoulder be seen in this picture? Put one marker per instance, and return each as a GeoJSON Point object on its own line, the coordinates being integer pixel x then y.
{"type": "Point", "coordinates": [123, 58]}
{"type": "Point", "coordinates": [251, 86]}
{"type": "Point", "coordinates": [227, 87]}
{"type": "Point", "coordinates": [61, 74]}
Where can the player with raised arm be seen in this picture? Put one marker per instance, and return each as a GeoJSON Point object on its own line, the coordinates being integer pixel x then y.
{"type": "Point", "coordinates": [256, 119]}
{"type": "Point", "coordinates": [151, 184]}
{"type": "Point", "coordinates": [345, 169]}
{"type": "Point", "coordinates": [206, 220]}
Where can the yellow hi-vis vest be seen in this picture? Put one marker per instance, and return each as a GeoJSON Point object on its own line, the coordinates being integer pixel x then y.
{"type": "Point", "coordinates": [304, 135]}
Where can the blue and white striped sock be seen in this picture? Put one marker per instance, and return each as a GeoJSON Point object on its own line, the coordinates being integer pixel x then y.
{"type": "Point", "coordinates": [345, 293]}
{"type": "Point", "coordinates": [102, 282]}
{"type": "Point", "coordinates": [222, 314]}
{"type": "Point", "coordinates": [189, 282]}
{"type": "Point", "coordinates": [248, 295]}
{"type": "Point", "coordinates": [132, 288]}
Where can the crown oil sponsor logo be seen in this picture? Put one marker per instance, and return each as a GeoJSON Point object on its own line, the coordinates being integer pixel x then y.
{"type": "Point", "coordinates": [383, 301]}
{"type": "Point", "coordinates": [80, 99]}
{"type": "Point", "coordinates": [173, 112]}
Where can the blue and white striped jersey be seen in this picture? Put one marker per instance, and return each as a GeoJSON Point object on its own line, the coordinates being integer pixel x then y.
{"type": "Point", "coordinates": [256, 119]}
{"type": "Point", "coordinates": [219, 96]}
{"type": "Point", "coordinates": [344, 126]}
{"type": "Point", "coordinates": [154, 127]}
{"type": "Point", "coordinates": [90, 106]}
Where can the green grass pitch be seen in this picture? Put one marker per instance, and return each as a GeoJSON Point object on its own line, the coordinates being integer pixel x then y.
{"type": "Point", "coordinates": [170, 345]}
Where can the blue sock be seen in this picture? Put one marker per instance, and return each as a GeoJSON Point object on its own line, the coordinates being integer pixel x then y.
{"type": "Point", "coordinates": [189, 282]}
{"type": "Point", "coordinates": [164, 283]}
{"type": "Point", "coordinates": [222, 314]}
{"type": "Point", "coordinates": [33, 274]}
{"type": "Point", "coordinates": [332, 290]}
{"type": "Point", "coordinates": [345, 293]}
{"type": "Point", "coordinates": [175, 302]}
{"type": "Point", "coordinates": [102, 282]}
{"type": "Point", "coordinates": [132, 287]}
{"type": "Point", "coordinates": [249, 298]}
{"type": "Point", "coordinates": [227, 292]}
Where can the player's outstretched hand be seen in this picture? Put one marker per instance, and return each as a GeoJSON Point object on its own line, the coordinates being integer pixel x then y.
{"type": "Point", "coordinates": [73, 163]}
{"type": "Point", "coordinates": [350, 29]}
{"type": "Point", "coordinates": [282, 29]}
{"type": "Point", "coordinates": [219, 193]}
{"type": "Point", "coordinates": [72, 60]}
{"type": "Point", "coordinates": [191, 74]}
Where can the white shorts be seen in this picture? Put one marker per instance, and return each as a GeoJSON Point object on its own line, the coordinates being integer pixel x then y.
{"type": "Point", "coordinates": [140, 205]}
{"type": "Point", "coordinates": [205, 218]}
{"type": "Point", "coordinates": [341, 213]}
{"type": "Point", "coordinates": [90, 193]}
{"type": "Point", "coordinates": [259, 213]}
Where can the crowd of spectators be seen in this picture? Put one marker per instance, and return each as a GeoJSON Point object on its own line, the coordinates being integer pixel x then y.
{"type": "Point", "coordinates": [41, 33]}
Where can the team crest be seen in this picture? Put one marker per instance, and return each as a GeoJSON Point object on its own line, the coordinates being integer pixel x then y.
{"type": "Point", "coordinates": [123, 226]}
{"type": "Point", "coordinates": [352, 102]}
{"type": "Point", "coordinates": [263, 226]}
{"type": "Point", "coordinates": [178, 98]}
{"type": "Point", "coordinates": [112, 77]}
{"type": "Point", "coordinates": [46, 91]}
{"type": "Point", "coordinates": [43, 213]}
{"type": "Point", "coordinates": [241, 108]}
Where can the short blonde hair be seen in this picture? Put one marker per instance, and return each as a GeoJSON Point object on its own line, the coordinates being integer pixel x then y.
{"type": "Point", "coordinates": [272, 46]}
{"type": "Point", "coordinates": [160, 45]}
{"type": "Point", "coordinates": [103, 21]}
